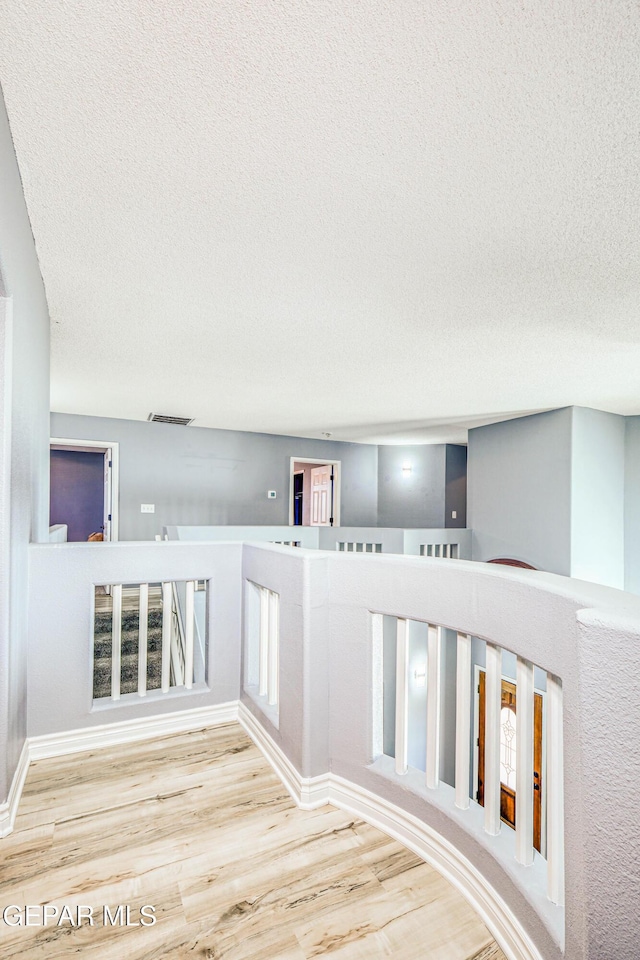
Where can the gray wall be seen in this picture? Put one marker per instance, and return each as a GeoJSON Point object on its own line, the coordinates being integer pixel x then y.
{"type": "Point", "coordinates": [24, 428]}
{"type": "Point", "coordinates": [455, 486]}
{"type": "Point", "coordinates": [419, 499]}
{"type": "Point", "coordinates": [196, 475]}
{"type": "Point", "coordinates": [597, 497]}
{"type": "Point", "coordinates": [632, 505]}
{"type": "Point", "coordinates": [520, 487]}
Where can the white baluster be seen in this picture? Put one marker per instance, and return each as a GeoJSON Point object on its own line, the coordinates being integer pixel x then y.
{"type": "Point", "coordinates": [272, 663]}
{"type": "Point", "coordinates": [434, 657]}
{"type": "Point", "coordinates": [116, 640]}
{"type": "Point", "coordinates": [264, 642]}
{"type": "Point", "coordinates": [189, 621]}
{"type": "Point", "coordinates": [402, 695]}
{"type": "Point", "coordinates": [493, 698]}
{"type": "Point", "coordinates": [167, 627]}
{"type": "Point", "coordinates": [555, 792]}
{"type": "Point", "coordinates": [377, 646]}
{"type": "Point", "coordinates": [524, 762]}
{"type": "Point", "coordinates": [463, 720]}
{"type": "Point", "coordinates": [143, 621]}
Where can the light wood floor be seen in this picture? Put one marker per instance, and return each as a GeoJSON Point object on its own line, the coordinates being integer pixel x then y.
{"type": "Point", "coordinates": [198, 826]}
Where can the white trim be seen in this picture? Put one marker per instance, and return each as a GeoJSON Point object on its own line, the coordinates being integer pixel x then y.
{"type": "Point", "coordinates": [309, 793]}
{"type": "Point", "coordinates": [555, 792]}
{"type": "Point", "coordinates": [434, 683]}
{"type": "Point", "coordinates": [111, 448]}
{"type": "Point", "coordinates": [402, 697]}
{"type": "Point", "coordinates": [463, 720]}
{"type": "Point", "coordinates": [337, 483]}
{"type": "Point", "coordinates": [525, 710]}
{"type": "Point", "coordinates": [130, 731]}
{"type": "Point", "coordinates": [9, 808]}
{"type": "Point", "coordinates": [492, 706]}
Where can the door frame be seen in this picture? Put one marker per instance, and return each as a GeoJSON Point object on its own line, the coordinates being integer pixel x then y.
{"type": "Point", "coordinates": [319, 462]}
{"type": "Point", "coordinates": [111, 451]}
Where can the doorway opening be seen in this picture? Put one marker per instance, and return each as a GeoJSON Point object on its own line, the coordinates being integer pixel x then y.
{"type": "Point", "coordinates": [84, 488]}
{"type": "Point", "coordinates": [314, 492]}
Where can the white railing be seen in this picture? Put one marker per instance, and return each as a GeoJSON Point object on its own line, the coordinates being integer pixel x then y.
{"type": "Point", "coordinates": [358, 546]}
{"type": "Point", "coordinates": [179, 624]}
{"type": "Point", "coordinates": [298, 536]}
{"type": "Point", "coordinates": [432, 542]}
{"type": "Point", "coordinates": [312, 675]}
{"type": "Point", "coordinates": [447, 551]}
{"type": "Point", "coordinates": [410, 716]}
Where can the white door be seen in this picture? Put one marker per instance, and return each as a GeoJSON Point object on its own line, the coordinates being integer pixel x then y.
{"type": "Point", "coordinates": [321, 494]}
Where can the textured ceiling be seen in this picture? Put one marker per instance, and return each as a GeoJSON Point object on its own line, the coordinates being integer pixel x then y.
{"type": "Point", "coordinates": [382, 220]}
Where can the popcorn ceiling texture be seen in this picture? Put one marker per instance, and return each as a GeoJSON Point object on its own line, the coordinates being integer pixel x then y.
{"type": "Point", "coordinates": [370, 218]}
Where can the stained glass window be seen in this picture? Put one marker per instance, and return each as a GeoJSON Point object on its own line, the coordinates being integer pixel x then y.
{"type": "Point", "coordinates": [508, 747]}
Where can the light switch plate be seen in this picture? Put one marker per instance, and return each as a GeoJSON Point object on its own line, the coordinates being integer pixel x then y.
{"type": "Point", "coordinates": [454, 514]}
{"type": "Point", "coordinates": [147, 508]}
{"type": "Point", "coordinates": [271, 494]}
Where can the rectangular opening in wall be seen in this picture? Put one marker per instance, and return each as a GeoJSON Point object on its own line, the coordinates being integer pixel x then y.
{"type": "Point", "coordinates": [149, 637]}
{"type": "Point", "coordinates": [262, 648]}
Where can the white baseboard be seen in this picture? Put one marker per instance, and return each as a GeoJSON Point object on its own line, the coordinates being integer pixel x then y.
{"type": "Point", "coordinates": [447, 860]}
{"type": "Point", "coordinates": [9, 808]}
{"type": "Point", "coordinates": [310, 793]}
{"type": "Point", "coordinates": [130, 731]}
{"type": "Point", "coordinates": [105, 735]}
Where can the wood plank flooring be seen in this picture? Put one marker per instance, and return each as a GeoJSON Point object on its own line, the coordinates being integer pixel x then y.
{"type": "Point", "coordinates": [198, 826]}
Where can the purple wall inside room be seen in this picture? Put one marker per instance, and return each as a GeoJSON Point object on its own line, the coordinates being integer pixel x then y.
{"type": "Point", "coordinates": [77, 492]}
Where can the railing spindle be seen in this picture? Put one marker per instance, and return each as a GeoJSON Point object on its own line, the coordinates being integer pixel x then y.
{"type": "Point", "coordinates": [434, 658]}
{"type": "Point", "coordinates": [555, 792]}
{"type": "Point", "coordinates": [143, 621]}
{"type": "Point", "coordinates": [493, 697]}
{"type": "Point", "coordinates": [402, 695]}
{"type": "Point", "coordinates": [167, 626]}
{"type": "Point", "coordinates": [188, 633]}
{"type": "Point", "coordinates": [463, 720]}
{"type": "Point", "coordinates": [116, 640]}
{"type": "Point", "coordinates": [524, 762]}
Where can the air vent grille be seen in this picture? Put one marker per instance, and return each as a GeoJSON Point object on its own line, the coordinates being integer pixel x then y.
{"type": "Point", "coordinates": [164, 418]}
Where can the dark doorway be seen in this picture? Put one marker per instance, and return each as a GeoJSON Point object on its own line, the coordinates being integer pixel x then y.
{"type": "Point", "coordinates": [77, 492]}
{"type": "Point", "coordinates": [298, 485]}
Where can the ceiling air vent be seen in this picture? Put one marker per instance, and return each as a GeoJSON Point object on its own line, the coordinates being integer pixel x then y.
{"type": "Point", "coordinates": [163, 418]}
